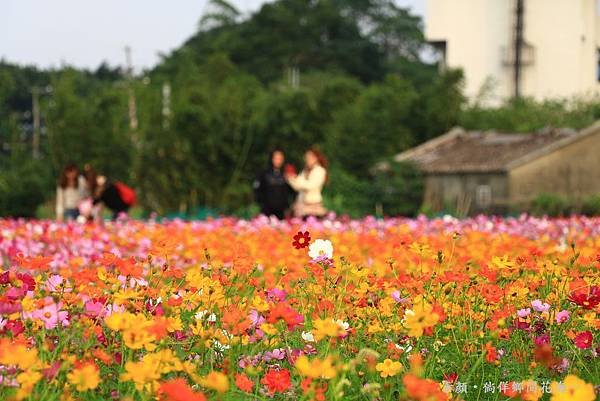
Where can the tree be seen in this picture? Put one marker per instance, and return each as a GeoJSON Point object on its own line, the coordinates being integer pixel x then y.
{"type": "Point", "coordinates": [374, 127]}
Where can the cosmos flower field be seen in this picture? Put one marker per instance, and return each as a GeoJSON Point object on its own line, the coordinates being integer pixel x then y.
{"type": "Point", "coordinates": [396, 309]}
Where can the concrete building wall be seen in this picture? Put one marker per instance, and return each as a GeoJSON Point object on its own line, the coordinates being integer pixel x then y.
{"type": "Point", "coordinates": [463, 192]}
{"type": "Point", "coordinates": [475, 32]}
{"type": "Point", "coordinates": [564, 35]}
{"type": "Point", "coordinates": [572, 172]}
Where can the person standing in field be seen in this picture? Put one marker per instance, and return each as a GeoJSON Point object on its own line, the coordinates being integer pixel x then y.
{"type": "Point", "coordinates": [69, 193]}
{"type": "Point", "coordinates": [271, 190]}
{"type": "Point", "coordinates": [116, 196]}
{"type": "Point", "coordinates": [309, 185]}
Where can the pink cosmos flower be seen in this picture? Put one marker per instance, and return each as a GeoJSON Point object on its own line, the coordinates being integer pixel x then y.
{"type": "Point", "coordinates": [522, 313]}
{"type": "Point", "coordinates": [51, 314]}
{"type": "Point", "coordinates": [94, 309]}
{"type": "Point", "coordinates": [56, 283]}
{"type": "Point", "coordinates": [277, 354]}
{"type": "Point", "coordinates": [563, 316]}
{"type": "Point", "coordinates": [256, 318]}
{"type": "Point", "coordinates": [276, 294]}
{"type": "Point", "coordinates": [398, 298]}
{"type": "Point", "coordinates": [540, 306]}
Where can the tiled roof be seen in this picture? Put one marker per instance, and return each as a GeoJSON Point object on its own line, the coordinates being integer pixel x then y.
{"type": "Point", "coordinates": [460, 151]}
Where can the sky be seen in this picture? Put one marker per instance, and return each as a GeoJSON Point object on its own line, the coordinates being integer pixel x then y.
{"type": "Point", "coordinates": [51, 33]}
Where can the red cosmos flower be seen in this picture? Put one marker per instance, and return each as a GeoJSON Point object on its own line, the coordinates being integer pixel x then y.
{"type": "Point", "coordinates": [451, 377]}
{"type": "Point", "coordinates": [288, 314]}
{"type": "Point", "coordinates": [5, 278]}
{"type": "Point", "coordinates": [28, 282]}
{"type": "Point", "coordinates": [244, 383]}
{"type": "Point", "coordinates": [178, 390]}
{"type": "Point", "coordinates": [491, 353]}
{"type": "Point", "coordinates": [16, 327]}
{"type": "Point", "coordinates": [586, 300]}
{"type": "Point", "coordinates": [301, 240]}
{"type": "Point", "coordinates": [423, 389]}
{"type": "Point", "coordinates": [277, 381]}
{"type": "Point", "coordinates": [584, 339]}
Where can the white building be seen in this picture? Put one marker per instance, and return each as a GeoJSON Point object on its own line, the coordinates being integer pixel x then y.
{"type": "Point", "coordinates": [538, 48]}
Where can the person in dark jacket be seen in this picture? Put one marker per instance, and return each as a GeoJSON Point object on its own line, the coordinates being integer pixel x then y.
{"type": "Point", "coordinates": [272, 193]}
{"type": "Point", "coordinates": [108, 194]}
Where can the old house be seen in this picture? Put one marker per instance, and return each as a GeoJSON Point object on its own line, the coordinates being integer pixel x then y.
{"type": "Point", "coordinates": [491, 172]}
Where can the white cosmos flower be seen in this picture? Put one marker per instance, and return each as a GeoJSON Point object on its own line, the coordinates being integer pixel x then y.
{"type": "Point", "coordinates": [308, 337]}
{"type": "Point", "coordinates": [210, 318]}
{"type": "Point", "coordinates": [321, 248]}
{"type": "Point", "coordinates": [343, 325]}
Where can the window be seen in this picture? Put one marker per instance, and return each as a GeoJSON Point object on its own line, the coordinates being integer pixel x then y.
{"type": "Point", "coordinates": [439, 53]}
{"type": "Point", "coordinates": [483, 196]}
{"type": "Point", "coordinates": [598, 64]}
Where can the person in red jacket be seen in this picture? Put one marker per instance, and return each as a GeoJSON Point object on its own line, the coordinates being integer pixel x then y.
{"type": "Point", "coordinates": [116, 196]}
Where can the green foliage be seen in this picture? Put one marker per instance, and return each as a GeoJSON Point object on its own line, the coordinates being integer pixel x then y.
{"type": "Point", "coordinates": [527, 115]}
{"type": "Point", "coordinates": [591, 206]}
{"type": "Point", "coordinates": [347, 195]}
{"type": "Point", "coordinates": [399, 189]}
{"type": "Point", "coordinates": [549, 205]}
{"type": "Point", "coordinates": [24, 184]}
{"type": "Point", "coordinates": [374, 127]}
{"type": "Point", "coordinates": [86, 123]}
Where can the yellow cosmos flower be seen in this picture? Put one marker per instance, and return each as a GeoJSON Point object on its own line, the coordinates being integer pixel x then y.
{"type": "Point", "coordinates": [326, 328]}
{"type": "Point", "coordinates": [122, 321]}
{"type": "Point", "coordinates": [573, 389]}
{"type": "Point", "coordinates": [316, 369]}
{"type": "Point", "coordinates": [174, 324]}
{"type": "Point", "coordinates": [216, 381]}
{"type": "Point", "coordinates": [260, 304]}
{"type": "Point", "coordinates": [17, 354]}
{"type": "Point", "coordinates": [419, 318]}
{"type": "Point", "coordinates": [84, 378]}
{"type": "Point", "coordinates": [502, 262]}
{"type": "Point", "coordinates": [138, 339]}
{"type": "Point", "coordinates": [269, 329]}
{"type": "Point", "coordinates": [143, 374]}
{"type": "Point", "coordinates": [388, 368]}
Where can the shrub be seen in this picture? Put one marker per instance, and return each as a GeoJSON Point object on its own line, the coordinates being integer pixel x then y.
{"type": "Point", "coordinates": [591, 206]}
{"type": "Point", "coordinates": [399, 189]}
{"type": "Point", "coordinates": [549, 205]}
{"type": "Point", "coordinates": [24, 185]}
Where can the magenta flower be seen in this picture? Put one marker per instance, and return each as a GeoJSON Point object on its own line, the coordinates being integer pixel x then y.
{"type": "Point", "coordinates": [94, 309]}
{"type": "Point", "coordinates": [276, 294]}
{"type": "Point", "coordinates": [563, 316]}
{"type": "Point", "coordinates": [540, 306]}
{"type": "Point", "coordinates": [8, 308]}
{"type": "Point", "coordinates": [5, 278]}
{"type": "Point", "coordinates": [543, 339]}
{"type": "Point", "coordinates": [522, 313]}
{"type": "Point", "coordinates": [584, 340]}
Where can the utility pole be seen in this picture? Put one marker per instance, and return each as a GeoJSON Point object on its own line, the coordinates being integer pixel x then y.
{"type": "Point", "coordinates": [519, 46]}
{"type": "Point", "coordinates": [133, 121]}
{"type": "Point", "coordinates": [294, 77]}
{"type": "Point", "coordinates": [166, 105]}
{"type": "Point", "coordinates": [35, 100]}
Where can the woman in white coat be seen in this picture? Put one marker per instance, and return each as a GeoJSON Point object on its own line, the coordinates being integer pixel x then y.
{"type": "Point", "coordinates": [309, 185]}
{"type": "Point", "coordinates": [69, 193]}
